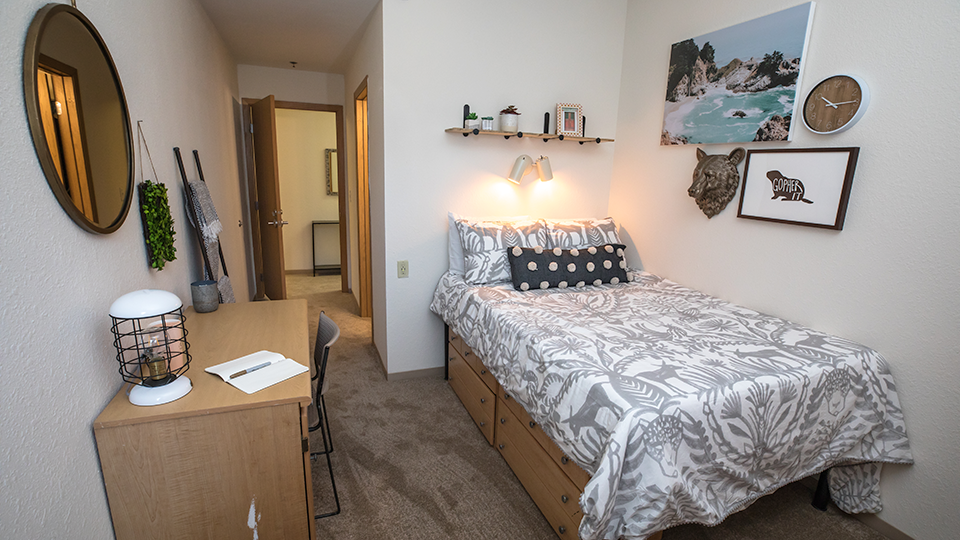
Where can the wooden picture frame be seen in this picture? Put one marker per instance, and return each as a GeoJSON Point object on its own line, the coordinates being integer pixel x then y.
{"type": "Point", "coordinates": [333, 178]}
{"type": "Point", "coordinates": [569, 119]}
{"type": "Point", "coordinates": [802, 186]}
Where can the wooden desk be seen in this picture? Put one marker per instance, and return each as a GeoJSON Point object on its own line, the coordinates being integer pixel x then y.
{"type": "Point", "coordinates": [195, 467]}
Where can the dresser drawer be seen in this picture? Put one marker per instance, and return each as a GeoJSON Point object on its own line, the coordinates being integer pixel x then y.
{"type": "Point", "coordinates": [578, 476]}
{"type": "Point", "coordinates": [554, 493]}
{"type": "Point", "coordinates": [479, 400]}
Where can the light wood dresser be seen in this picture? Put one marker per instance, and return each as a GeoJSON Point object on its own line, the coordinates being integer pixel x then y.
{"type": "Point", "coordinates": [217, 463]}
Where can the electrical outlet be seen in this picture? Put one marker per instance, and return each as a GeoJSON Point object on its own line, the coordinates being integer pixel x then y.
{"type": "Point", "coordinates": [403, 269]}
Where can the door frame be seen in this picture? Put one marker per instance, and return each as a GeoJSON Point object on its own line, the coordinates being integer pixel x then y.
{"type": "Point", "coordinates": [363, 201]}
{"type": "Point", "coordinates": [252, 188]}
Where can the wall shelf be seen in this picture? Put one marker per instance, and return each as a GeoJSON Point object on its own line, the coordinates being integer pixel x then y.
{"type": "Point", "coordinates": [545, 136]}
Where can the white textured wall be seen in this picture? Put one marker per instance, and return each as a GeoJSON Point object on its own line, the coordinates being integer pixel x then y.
{"type": "Point", "coordinates": [290, 84]}
{"type": "Point", "coordinates": [57, 362]}
{"type": "Point", "coordinates": [436, 58]}
{"type": "Point", "coordinates": [888, 280]}
{"type": "Point", "coordinates": [302, 138]}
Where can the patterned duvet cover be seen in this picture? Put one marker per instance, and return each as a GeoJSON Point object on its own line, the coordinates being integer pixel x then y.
{"type": "Point", "coordinates": [683, 407]}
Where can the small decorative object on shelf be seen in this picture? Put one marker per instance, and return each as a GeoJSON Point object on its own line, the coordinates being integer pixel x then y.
{"type": "Point", "coordinates": [508, 119]}
{"type": "Point", "coordinates": [151, 344]}
{"type": "Point", "coordinates": [471, 121]}
{"type": "Point", "coordinates": [486, 123]}
{"type": "Point", "coordinates": [569, 119]}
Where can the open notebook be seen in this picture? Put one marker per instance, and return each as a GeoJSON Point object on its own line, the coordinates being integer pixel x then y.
{"type": "Point", "coordinates": [277, 369]}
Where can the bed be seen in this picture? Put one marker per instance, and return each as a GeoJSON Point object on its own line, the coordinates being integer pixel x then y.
{"type": "Point", "coordinates": [682, 407]}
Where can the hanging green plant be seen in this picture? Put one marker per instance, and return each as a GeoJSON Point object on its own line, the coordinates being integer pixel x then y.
{"type": "Point", "coordinates": [157, 224]}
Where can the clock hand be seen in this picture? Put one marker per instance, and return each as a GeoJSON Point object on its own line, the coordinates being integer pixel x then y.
{"type": "Point", "coordinates": [844, 103]}
{"type": "Point", "coordinates": [829, 103]}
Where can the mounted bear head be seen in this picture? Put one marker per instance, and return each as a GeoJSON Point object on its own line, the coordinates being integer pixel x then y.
{"type": "Point", "coordinates": [715, 180]}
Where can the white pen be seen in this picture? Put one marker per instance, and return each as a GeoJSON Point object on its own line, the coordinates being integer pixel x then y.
{"type": "Point", "coordinates": [251, 370]}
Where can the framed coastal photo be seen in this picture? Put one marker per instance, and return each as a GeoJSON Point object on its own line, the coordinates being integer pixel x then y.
{"type": "Point", "coordinates": [739, 84]}
{"type": "Point", "coordinates": [569, 119]}
{"type": "Point", "coordinates": [804, 186]}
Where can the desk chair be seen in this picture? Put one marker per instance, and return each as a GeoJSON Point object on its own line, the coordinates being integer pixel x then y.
{"type": "Point", "coordinates": [327, 334]}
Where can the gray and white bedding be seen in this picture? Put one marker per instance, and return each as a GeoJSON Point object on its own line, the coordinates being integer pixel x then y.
{"type": "Point", "coordinates": [683, 407]}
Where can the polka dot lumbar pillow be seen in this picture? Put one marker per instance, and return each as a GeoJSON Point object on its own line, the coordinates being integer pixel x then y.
{"type": "Point", "coordinates": [538, 268]}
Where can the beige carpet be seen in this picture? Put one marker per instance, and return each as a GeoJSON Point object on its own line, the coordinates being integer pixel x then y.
{"type": "Point", "coordinates": [409, 462]}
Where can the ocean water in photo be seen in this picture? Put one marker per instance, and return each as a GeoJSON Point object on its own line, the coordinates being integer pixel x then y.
{"type": "Point", "coordinates": [721, 116]}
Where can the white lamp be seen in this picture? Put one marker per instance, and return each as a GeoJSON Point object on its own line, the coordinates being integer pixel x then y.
{"type": "Point", "coordinates": [524, 163]}
{"type": "Point", "coordinates": [151, 345]}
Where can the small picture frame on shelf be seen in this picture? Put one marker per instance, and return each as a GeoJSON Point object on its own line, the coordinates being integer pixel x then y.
{"type": "Point", "coordinates": [800, 186]}
{"type": "Point", "coordinates": [569, 119]}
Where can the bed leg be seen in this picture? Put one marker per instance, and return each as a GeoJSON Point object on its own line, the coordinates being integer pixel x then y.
{"type": "Point", "coordinates": [446, 352]}
{"type": "Point", "coordinates": [821, 497]}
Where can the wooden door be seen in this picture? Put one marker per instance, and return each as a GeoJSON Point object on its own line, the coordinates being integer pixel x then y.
{"type": "Point", "coordinates": [270, 215]}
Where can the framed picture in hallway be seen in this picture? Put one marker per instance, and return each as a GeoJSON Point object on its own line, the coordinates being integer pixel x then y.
{"type": "Point", "coordinates": [333, 180]}
{"type": "Point", "coordinates": [803, 186]}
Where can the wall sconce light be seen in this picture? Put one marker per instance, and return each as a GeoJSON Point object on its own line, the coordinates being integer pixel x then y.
{"type": "Point", "coordinates": [524, 163]}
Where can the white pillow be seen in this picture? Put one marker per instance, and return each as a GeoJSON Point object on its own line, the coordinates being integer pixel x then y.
{"type": "Point", "coordinates": [455, 247]}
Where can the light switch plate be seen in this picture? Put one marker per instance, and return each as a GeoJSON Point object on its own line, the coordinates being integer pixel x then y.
{"type": "Point", "coordinates": [403, 269]}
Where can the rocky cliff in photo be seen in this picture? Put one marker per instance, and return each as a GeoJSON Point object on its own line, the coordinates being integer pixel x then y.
{"type": "Point", "coordinates": [693, 72]}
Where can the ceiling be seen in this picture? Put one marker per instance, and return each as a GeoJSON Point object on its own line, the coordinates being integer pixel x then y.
{"type": "Point", "coordinates": [317, 34]}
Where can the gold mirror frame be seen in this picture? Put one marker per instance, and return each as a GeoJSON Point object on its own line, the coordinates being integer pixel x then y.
{"type": "Point", "coordinates": [83, 213]}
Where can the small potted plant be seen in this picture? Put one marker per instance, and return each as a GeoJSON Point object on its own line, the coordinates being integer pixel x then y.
{"type": "Point", "coordinates": [486, 123]}
{"type": "Point", "coordinates": [508, 119]}
{"type": "Point", "coordinates": [471, 122]}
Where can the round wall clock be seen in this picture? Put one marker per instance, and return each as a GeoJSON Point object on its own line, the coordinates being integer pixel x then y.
{"type": "Point", "coordinates": [835, 104]}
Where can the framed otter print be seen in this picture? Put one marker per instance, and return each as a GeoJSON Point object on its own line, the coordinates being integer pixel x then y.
{"type": "Point", "coordinates": [802, 186]}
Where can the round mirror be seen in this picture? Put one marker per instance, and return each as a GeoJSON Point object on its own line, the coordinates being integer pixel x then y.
{"type": "Point", "coordinates": [78, 118]}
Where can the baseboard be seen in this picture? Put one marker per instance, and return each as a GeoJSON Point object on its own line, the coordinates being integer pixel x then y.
{"type": "Point", "coordinates": [436, 372]}
{"type": "Point", "coordinates": [870, 520]}
{"type": "Point", "coordinates": [298, 272]}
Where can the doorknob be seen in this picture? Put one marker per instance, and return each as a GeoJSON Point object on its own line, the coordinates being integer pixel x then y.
{"type": "Point", "coordinates": [277, 222]}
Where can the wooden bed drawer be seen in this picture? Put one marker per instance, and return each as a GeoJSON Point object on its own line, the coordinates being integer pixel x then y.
{"type": "Point", "coordinates": [479, 400]}
{"type": "Point", "coordinates": [548, 486]}
{"type": "Point", "coordinates": [474, 362]}
{"type": "Point", "coordinates": [456, 342]}
{"type": "Point", "coordinates": [459, 346]}
{"type": "Point", "coordinates": [578, 476]}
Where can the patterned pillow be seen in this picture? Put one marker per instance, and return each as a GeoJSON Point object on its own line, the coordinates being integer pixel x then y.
{"type": "Point", "coordinates": [539, 268]}
{"type": "Point", "coordinates": [485, 246]}
{"type": "Point", "coordinates": [581, 233]}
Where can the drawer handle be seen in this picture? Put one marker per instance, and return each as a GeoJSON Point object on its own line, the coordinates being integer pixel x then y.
{"type": "Point", "coordinates": [506, 396]}
{"type": "Point", "coordinates": [483, 372]}
{"type": "Point", "coordinates": [503, 420]}
{"type": "Point", "coordinates": [564, 460]}
{"type": "Point", "coordinates": [483, 424]}
{"type": "Point", "coordinates": [501, 446]}
{"type": "Point", "coordinates": [562, 529]}
{"type": "Point", "coordinates": [466, 353]}
{"type": "Point", "coordinates": [533, 424]}
{"type": "Point", "coordinates": [483, 400]}
{"type": "Point", "coordinates": [564, 498]}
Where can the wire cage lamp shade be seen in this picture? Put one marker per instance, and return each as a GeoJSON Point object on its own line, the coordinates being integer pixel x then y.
{"type": "Point", "coordinates": [151, 344]}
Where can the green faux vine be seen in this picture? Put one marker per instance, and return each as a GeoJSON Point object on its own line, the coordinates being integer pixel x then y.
{"type": "Point", "coordinates": [157, 224]}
